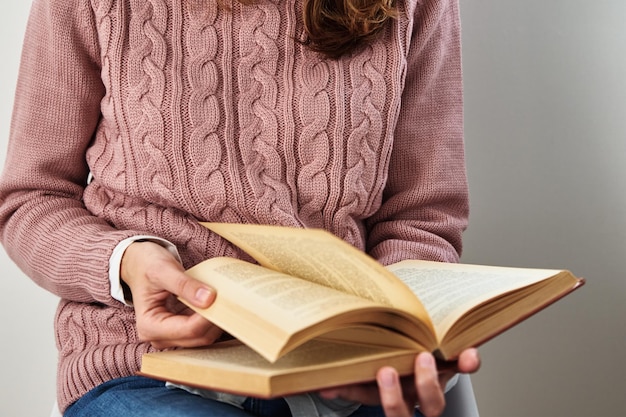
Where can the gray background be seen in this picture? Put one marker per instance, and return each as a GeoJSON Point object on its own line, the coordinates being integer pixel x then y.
{"type": "Point", "coordinates": [545, 132]}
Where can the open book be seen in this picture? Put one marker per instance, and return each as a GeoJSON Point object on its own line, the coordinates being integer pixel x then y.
{"type": "Point", "coordinates": [316, 312]}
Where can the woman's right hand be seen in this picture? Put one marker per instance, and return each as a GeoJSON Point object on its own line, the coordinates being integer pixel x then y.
{"type": "Point", "coordinates": [156, 279]}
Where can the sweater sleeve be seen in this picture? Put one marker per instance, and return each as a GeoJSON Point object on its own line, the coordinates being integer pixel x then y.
{"type": "Point", "coordinates": [44, 225]}
{"type": "Point", "coordinates": [425, 204]}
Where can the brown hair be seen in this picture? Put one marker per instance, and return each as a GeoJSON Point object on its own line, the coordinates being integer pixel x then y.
{"type": "Point", "coordinates": [338, 27]}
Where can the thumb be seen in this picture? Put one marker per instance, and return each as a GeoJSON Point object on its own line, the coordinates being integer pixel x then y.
{"type": "Point", "coordinates": [149, 260]}
{"type": "Point", "coordinates": [193, 291]}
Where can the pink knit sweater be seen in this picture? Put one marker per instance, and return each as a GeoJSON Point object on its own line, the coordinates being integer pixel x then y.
{"type": "Point", "coordinates": [185, 112]}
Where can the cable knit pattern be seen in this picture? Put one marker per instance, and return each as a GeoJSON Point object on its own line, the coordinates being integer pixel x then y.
{"type": "Point", "coordinates": [366, 104]}
{"type": "Point", "coordinates": [185, 111]}
{"type": "Point", "coordinates": [314, 112]}
{"type": "Point", "coordinates": [102, 151]}
{"type": "Point", "coordinates": [204, 108]}
{"type": "Point", "coordinates": [259, 90]}
{"type": "Point", "coordinates": [148, 55]}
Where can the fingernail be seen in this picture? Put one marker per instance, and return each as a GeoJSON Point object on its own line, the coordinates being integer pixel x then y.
{"type": "Point", "coordinates": [387, 378]}
{"type": "Point", "coordinates": [426, 360]}
{"type": "Point", "coordinates": [203, 295]}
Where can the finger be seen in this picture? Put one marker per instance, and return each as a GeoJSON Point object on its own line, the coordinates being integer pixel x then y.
{"type": "Point", "coordinates": [362, 393]}
{"type": "Point", "coordinates": [429, 392]}
{"type": "Point", "coordinates": [185, 331]}
{"type": "Point", "coordinates": [469, 361]}
{"type": "Point", "coordinates": [390, 391]}
{"type": "Point", "coordinates": [187, 288]}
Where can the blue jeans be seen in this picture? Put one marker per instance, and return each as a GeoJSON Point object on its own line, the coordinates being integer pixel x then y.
{"type": "Point", "coordinates": [143, 397]}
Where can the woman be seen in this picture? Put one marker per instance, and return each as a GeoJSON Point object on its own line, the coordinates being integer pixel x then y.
{"type": "Point", "coordinates": [136, 119]}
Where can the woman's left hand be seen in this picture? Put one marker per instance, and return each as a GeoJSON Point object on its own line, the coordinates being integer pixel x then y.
{"type": "Point", "coordinates": [399, 396]}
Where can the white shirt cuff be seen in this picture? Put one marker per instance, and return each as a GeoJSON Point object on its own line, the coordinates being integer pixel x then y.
{"type": "Point", "coordinates": [116, 260]}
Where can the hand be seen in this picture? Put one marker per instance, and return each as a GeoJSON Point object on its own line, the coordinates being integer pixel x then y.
{"type": "Point", "coordinates": [400, 396]}
{"type": "Point", "coordinates": [155, 278]}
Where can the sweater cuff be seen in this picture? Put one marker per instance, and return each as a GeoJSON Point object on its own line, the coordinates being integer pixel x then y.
{"type": "Point", "coordinates": [115, 262]}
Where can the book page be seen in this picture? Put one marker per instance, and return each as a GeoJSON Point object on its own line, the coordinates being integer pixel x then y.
{"type": "Point", "coordinates": [273, 312]}
{"type": "Point", "coordinates": [320, 257]}
{"type": "Point", "coordinates": [232, 367]}
{"type": "Point", "coordinates": [318, 352]}
{"type": "Point", "coordinates": [447, 291]}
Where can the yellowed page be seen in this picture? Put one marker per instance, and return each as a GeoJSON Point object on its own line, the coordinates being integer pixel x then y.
{"type": "Point", "coordinates": [318, 256]}
{"type": "Point", "coordinates": [273, 312]}
{"type": "Point", "coordinates": [232, 367]}
{"type": "Point", "coordinates": [448, 290]}
{"type": "Point", "coordinates": [500, 313]}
